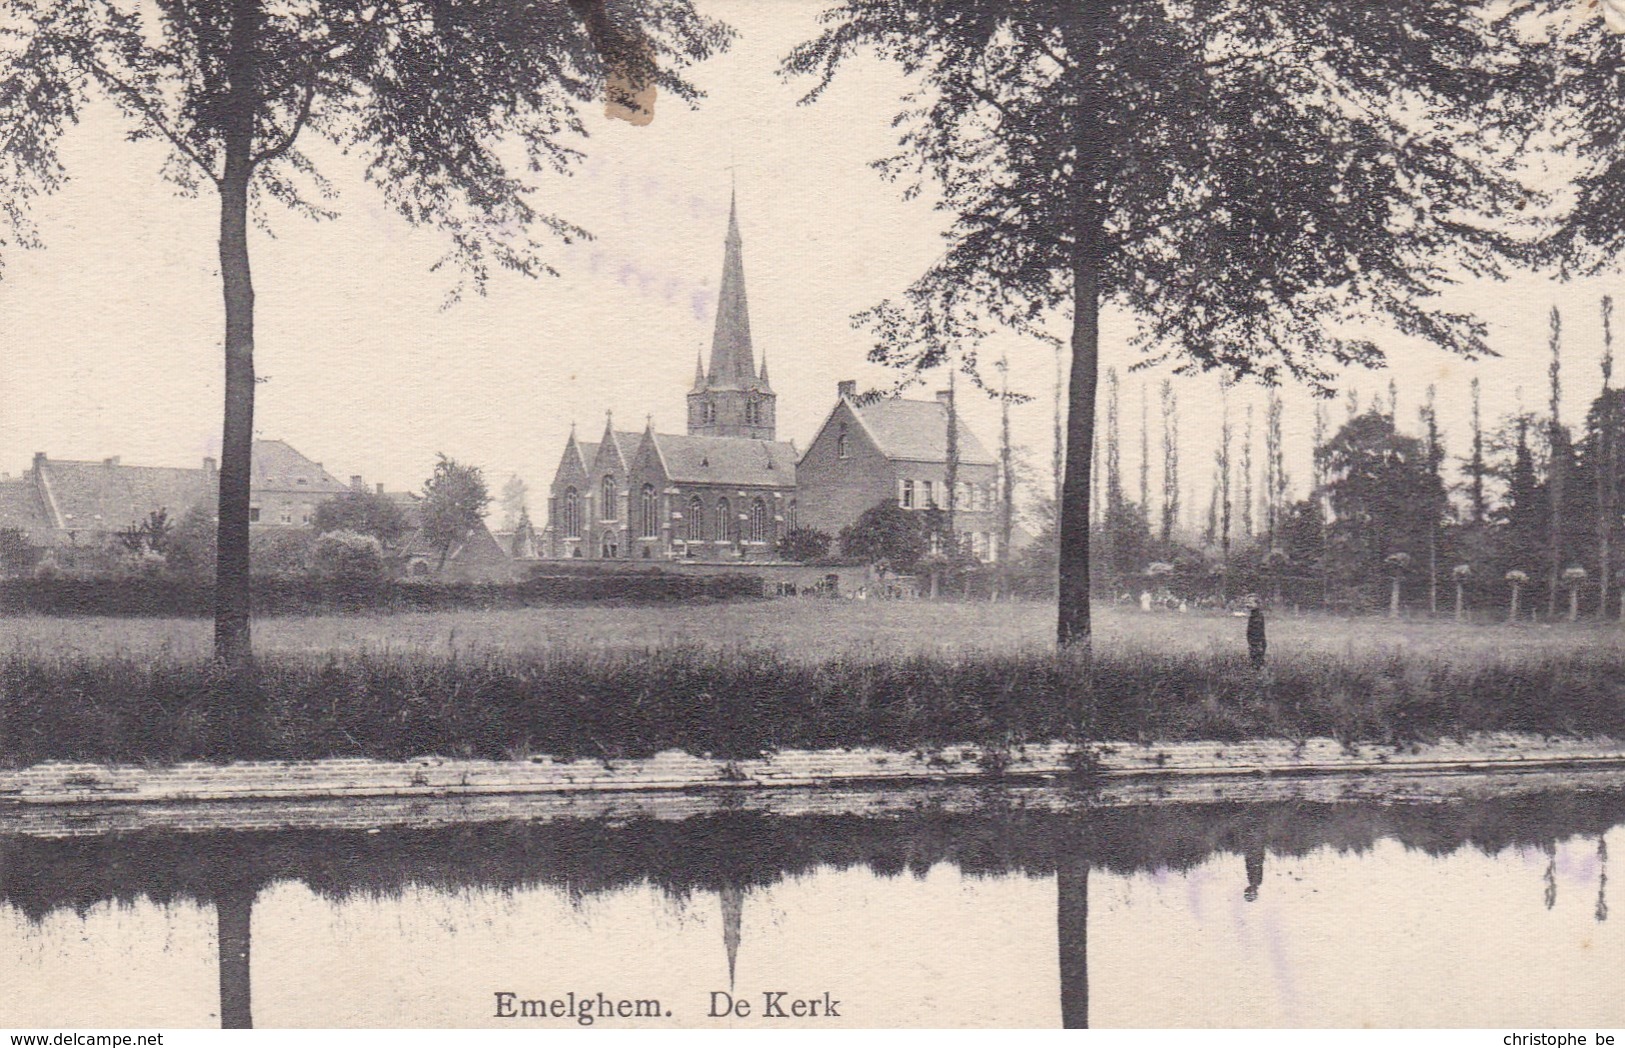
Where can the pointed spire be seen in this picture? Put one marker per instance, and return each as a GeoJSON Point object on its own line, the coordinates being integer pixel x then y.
{"type": "Point", "coordinates": [732, 363]}
{"type": "Point", "coordinates": [699, 373]}
{"type": "Point", "coordinates": [764, 370]}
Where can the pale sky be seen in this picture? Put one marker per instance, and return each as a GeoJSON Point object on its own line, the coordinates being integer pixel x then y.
{"type": "Point", "coordinates": [110, 337]}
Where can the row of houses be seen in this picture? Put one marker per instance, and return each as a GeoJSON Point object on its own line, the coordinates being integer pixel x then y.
{"type": "Point", "coordinates": [66, 506]}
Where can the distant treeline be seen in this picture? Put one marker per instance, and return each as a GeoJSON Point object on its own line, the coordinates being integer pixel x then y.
{"type": "Point", "coordinates": [170, 596]}
{"type": "Point", "coordinates": [1517, 517]}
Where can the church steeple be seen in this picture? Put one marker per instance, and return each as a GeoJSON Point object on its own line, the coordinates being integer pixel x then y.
{"type": "Point", "coordinates": [733, 363]}
{"type": "Point", "coordinates": [732, 399]}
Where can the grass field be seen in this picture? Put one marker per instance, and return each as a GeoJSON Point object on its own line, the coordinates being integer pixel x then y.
{"type": "Point", "coordinates": [808, 629]}
{"type": "Point", "coordinates": [739, 678]}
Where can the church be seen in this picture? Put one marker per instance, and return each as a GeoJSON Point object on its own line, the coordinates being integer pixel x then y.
{"type": "Point", "coordinates": [728, 490]}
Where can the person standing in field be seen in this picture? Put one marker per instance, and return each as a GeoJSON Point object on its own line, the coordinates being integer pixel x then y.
{"type": "Point", "coordinates": [1256, 643]}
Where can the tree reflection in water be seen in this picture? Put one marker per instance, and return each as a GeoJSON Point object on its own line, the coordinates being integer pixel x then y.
{"type": "Point", "coordinates": [730, 854]}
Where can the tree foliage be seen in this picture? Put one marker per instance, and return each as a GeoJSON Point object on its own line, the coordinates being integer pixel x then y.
{"type": "Point", "coordinates": [1242, 180]}
{"type": "Point", "coordinates": [455, 498]}
{"type": "Point", "coordinates": [886, 535]}
{"type": "Point", "coordinates": [363, 512]}
{"type": "Point", "coordinates": [347, 556]}
{"type": "Point", "coordinates": [804, 544]}
{"type": "Point", "coordinates": [1384, 495]}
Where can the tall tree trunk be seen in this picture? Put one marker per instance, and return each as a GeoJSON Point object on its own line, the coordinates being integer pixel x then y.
{"type": "Point", "coordinates": [1087, 211]}
{"type": "Point", "coordinates": [232, 641]}
{"type": "Point", "coordinates": [1073, 625]}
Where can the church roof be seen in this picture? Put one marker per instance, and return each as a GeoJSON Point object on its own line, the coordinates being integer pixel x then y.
{"type": "Point", "coordinates": [626, 443]}
{"type": "Point", "coordinates": [733, 363]}
{"type": "Point", "coordinates": [728, 460]}
{"type": "Point", "coordinates": [917, 431]}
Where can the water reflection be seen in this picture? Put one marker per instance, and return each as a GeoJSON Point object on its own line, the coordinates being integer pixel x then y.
{"type": "Point", "coordinates": [929, 918]}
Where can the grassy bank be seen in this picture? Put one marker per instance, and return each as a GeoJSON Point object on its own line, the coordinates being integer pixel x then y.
{"type": "Point", "coordinates": [626, 702]}
{"type": "Point", "coordinates": [810, 630]}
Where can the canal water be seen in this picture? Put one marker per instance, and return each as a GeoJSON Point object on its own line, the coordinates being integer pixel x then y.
{"type": "Point", "coordinates": [1485, 913]}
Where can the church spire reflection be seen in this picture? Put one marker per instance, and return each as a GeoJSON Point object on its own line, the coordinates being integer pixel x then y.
{"type": "Point", "coordinates": [733, 909]}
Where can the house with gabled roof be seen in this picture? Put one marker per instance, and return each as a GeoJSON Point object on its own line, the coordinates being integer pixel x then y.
{"type": "Point", "coordinates": [868, 453]}
{"type": "Point", "coordinates": [68, 502]}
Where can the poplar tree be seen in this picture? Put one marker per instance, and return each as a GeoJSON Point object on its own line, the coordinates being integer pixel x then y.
{"type": "Point", "coordinates": [1433, 448]}
{"type": "Point", "coordinates": [1276, 467]}
{"type": "Point", "coordinates": [1170, 462]}
{"type": "Point", "coordinates": [1606, 471]}
{"type": "Point", "coordinates": [1476, 466]}
{"type": "Point", "coordinates": [1222, 456]}
{"type": "Point", "coordinates": [1114, 456]}
{"type": "Point", "coordinates": [1557, 470]}
{"type": "Point", "coordinates": [1322, 495]}
{"type": "Point", "coordinates": [1247, 530]}
{"type": "Point", "coordinates": [1145, 452]}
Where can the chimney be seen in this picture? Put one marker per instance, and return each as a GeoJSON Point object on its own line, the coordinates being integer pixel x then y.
{"type": "Point", "coordinates": [355, 483]}
{"type": "Point", "coordinates": [209, 466]}
{"type": "Point", "coordinates": [380, 487]}
{"type": "Point", "coordinates": [39, 460]}
{"type": "Point", "coordinates": [945, 397]}
{"type": "Point", "coordinates": [846, 389]}
{"type": "Point", "coordinates": [111, 460]}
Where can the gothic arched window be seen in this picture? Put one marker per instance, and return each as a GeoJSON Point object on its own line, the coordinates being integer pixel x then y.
{"type": "Point", "coordinates": [696, 520]}
{"type": "Point", "coordinates": [572, 514]}
{"type": "Point", "coordinates": [842, 447]}
{"type": "Point", "coordinates": [790, 516]}
{"type": "Point", "coordinates": [607, 510]}
{"type": "Point", "coordinates": [758, 521]}
{"type": "Point", "coordinates": [724, 524]}
{"type": "Point", "coordinates": [651, 515]}
{"type": "Point", "coordinates": [610, 548]}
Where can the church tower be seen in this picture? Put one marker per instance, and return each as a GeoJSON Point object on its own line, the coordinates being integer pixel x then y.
{"type": "Point", "coordinates": [733, 398]}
